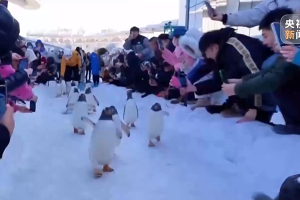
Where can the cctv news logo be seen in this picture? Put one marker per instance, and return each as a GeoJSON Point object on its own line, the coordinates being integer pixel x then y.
{"type": "Point", "coordinates": [290, 29]}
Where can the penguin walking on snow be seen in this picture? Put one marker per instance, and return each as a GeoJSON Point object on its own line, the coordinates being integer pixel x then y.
{"type": "Point", "coordinates": [119, 125]}
{"type": "Point", "coordinates": [131, 112]}
{"type": "Point", "coordinates": [103, 142]}
{"type": "Point", "coordinates": [80, 110]}
{"type": "Point", "coordinates": [91, 99]}
{"type": "Point", "coordinates": [73, 85]}
{"type": "Point", "coordinates": [155, 123]}
{"type": "Point", "coordinates": [72, 100]}
{"type": "Point", "coordinates": [60, 88]}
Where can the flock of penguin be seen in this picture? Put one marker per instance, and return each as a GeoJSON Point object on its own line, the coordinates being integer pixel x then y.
{"type": "Point", "coordinates": [107, 131]}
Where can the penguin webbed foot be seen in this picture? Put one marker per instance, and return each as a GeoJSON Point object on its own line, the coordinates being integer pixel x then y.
{"type": "Point", "coordinates": [132, 125]}
{"type": "Point", "coordinates": [76, 130]}
{"type": "Point", "coordinates": [106, 168]}
{"type": "Point", "coordinates": [151, 144]}
{"type": "Point", "coordinates": [97, 173]}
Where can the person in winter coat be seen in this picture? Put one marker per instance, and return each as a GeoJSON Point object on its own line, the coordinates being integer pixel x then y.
{"type": "Point", "coordinates": [95, 67]}
{"type": "Point", "coordinates": [88, 69]}
{"type": "Point", "coordinates": [7, 125]}
{"type": "Point", "coordinates": [233, 56]}
{"type": "Point", "coordinates": [70, 65]}
{"type": "Point", "coordinates": [167, 42]}
{"type": "Point", "coordinates": [56, 54]}
{"type": "Point", "coordinates": [189, 44]}
{"type": "Point", "coordinates": [139, 44]}
{"type": "Point", "coordinates": [252, 17]}
{"type": "Point", "coordinates": [40, 47]}
{"type": "Point", "coordinates": [176, 59]}
{"type": "Point", "coordinates": [282, 79]}
{"type": "Point", "coordinates": [9, 33]}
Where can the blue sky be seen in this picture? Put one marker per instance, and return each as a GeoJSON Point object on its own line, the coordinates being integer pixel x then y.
{"type": "Point", "coordinates": [94, 15]}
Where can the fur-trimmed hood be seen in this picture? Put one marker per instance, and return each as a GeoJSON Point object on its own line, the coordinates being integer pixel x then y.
{"type": "Point", "coordinates": [189, 43]}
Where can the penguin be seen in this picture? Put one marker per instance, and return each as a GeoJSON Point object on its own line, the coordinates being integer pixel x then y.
{"type": "Point", "coordinates": [73, 85]}
{"type": "Point", "coordinates": [58, 87]}
{"type": "Point", "coordinates": [103, 142]}
{"type": "Point", "coordinates": [119, 125]}
{"type": "Point", "coordinates": [155, 123]}
{"type": "Point", "coordinates": [72, 100]}
{"type": "Point", "coordinates": [63, 87]}
{"type": "Point", "coordinates": [91, 99]}
{"type": "Point", "coordinates": [131, 112]}
{"type": "Point", "coordinates": [80, 110]}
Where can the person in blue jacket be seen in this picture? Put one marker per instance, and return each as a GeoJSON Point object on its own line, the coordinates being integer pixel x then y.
{"type": "Point", "coordinates": [95, 66]}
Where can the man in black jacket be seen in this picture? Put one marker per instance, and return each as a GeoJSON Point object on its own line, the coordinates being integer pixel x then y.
{"type": "Point", "coordinates": [233, 56]}
{"type": "Point", "coordinates": [139, 44]}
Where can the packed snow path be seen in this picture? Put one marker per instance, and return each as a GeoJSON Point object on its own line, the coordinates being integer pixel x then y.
{"type": "Point", "coordinates": [201, 156]}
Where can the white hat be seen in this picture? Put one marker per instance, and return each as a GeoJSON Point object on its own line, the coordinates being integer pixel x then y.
{"type": "Point", "coordinates": [189, 42]}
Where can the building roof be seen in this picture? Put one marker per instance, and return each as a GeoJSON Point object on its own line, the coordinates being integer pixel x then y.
{"type": "Point", "coordinates": [27, 4]}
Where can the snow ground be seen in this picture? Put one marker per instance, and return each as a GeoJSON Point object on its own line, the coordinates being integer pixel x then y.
{"type": "Point", "coordinates": [201, 156]}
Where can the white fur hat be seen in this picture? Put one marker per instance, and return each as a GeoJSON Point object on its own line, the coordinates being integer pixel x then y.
{"type": "Point", "coordinates": [189, 42]}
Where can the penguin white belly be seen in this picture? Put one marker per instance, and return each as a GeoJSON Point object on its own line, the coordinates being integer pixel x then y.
{"type": "Point", "coordinates": [71, 91]}
{"type": "Point", "coordinates": [72, 101]}
{"type": "Point", "coordinates": [102, 145]}
{"type": "Point", "coordinates": [63, 87]}
{"type": "Point", "coordinates": [80, 110]}
{"type": "Point", "coordinates": [130, 112]}
{"type": "Point", "coordinates": [155, 124]}
{"type": "Point", "coordinates": [117, 123]}
{"type": "Point", "coordinates": [91, 101]}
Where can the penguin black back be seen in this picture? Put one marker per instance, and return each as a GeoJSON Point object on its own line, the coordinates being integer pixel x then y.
{"type": "Point", "coordinates": [88, 90]}
{"type": "Point", "coordinates": [76, 90]}
{"type": "Point", "coordinates": [129, 94]}
{"type": "Point", "coordinates": [82, 98]}
{"type": "Point", "coordinates": [73, 83]}
{"type": "Point", "coordinates": [106, 114]}
{"type": "Point", "coordinates": [156, 107]}
{"type": "Point", "coordinates": [113, 110]}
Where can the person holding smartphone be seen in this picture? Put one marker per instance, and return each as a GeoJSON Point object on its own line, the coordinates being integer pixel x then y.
{"type": "Point", "coordinates": [282, 79]}
{"type": "Point", "coordinates": [252, 17]}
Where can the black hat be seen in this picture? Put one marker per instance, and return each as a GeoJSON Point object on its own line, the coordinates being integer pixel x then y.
{"type": "Point", "coordinates": [9, 31]}
{"type": "Point", "coordinates": [290, 188]}
{"type": "Point", "coordinates": [134, 29]}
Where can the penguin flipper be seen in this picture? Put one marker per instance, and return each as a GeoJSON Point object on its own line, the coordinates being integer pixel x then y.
{"type": "Point", "coordinates": [261, 196]}
{"type": "Point", "coordinates": [96, 100]}
{"type": "Point", "coordinates": [87, 120]}
{"type": "Point", "coordinates": [124, 111]}
{"type": "Point", "coordinates": [137, 111]}
{"type": "Point", "coordinates": [125, 128]}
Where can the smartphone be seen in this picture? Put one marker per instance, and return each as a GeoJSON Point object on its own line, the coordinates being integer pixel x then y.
{"type": "Point", "coordinates": [3, 89]}
{"type": "Point", "coordinates": [32, 106]}
{"type": "Point", "coordinates": [277, 30]}
{"type": "Point", "coordinates": [160, 44]}
{"type": "Point", "coordinates": [210, 9]}
{"type": "Point", "coordinates": [23, 63]}
{"type": "Point", "coordinates": [224, 80]}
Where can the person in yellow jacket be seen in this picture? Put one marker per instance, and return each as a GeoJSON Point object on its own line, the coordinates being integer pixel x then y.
{"type": "Point", "coordinates": [70, 65]}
